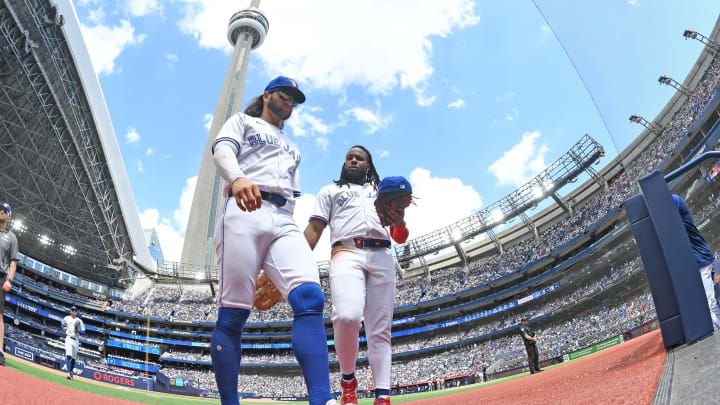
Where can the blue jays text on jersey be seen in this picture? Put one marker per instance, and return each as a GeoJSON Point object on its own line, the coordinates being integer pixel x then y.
{"type": "Point", "coordinates": [264, 153]}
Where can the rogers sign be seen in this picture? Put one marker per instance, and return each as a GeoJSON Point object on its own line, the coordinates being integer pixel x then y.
{"type": "Point", "coordinates": [113, 379]}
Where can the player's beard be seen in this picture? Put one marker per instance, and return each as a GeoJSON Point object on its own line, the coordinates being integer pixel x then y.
{"type": "Point", "coordinates": [276, 109]}
{"type": "Point", "coordinates": [357, 177]}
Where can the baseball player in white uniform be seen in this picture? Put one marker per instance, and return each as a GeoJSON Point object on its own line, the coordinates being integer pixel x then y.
{"type": "Point", "coordinates": [362, 270]}
{"type": "Point", "coordinates": [256, 231]}
{"type": "Point", "coordinates": [73, 327]}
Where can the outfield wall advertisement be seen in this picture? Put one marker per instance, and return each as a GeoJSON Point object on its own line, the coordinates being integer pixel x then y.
{"type": "Point", "coordinates": [594, 348]}
{"type": "Point", "coordinates": [50, 360]}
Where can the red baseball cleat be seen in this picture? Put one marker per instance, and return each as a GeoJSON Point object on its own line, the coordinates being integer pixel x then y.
{"type": "Point", "coordinates": [348, 392]}
{"type": "Point", "coordinates": [382, 401]}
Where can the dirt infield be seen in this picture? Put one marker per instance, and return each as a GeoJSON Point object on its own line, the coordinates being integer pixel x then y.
{"type": "Point", "coordinates": [623, 374]}
{"type": "Point", "coordinates": [627, 373]}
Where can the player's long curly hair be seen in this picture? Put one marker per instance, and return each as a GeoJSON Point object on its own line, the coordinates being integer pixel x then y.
{"type": "Point", "coordinates": [372, 176]}
{"type": "Point", "coordinates": [256, 106]}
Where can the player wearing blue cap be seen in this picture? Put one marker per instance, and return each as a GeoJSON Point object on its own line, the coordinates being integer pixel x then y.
{"type": "Point", "coordinates": [362, 269]}
{"type": "Point", "coordinates": [73, 328]}
{"type": "Point", "coordinates": [8, 263]}
{"type": "Point", "coordinates": [256, 231]}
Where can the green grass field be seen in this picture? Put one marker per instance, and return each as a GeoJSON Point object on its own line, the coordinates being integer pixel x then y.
{"type": "Point", "coordinates": [152, 397]}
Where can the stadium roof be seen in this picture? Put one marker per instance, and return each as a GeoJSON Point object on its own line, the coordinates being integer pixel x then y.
{"type": "Point", "coordinates": [60, 163]}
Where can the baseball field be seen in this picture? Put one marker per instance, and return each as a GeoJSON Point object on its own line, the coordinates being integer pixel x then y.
{"type": "Point", "coordinates": [627, 373]}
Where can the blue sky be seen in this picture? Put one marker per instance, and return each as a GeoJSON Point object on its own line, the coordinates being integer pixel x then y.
{"type": "Point", "coordinates": [468, 99]}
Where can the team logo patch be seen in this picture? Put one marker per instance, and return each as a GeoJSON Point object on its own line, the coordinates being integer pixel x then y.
{"type": "Point", "coordinates": [219, 347]}
{"type": "Point", "coordinates": [293, 83]}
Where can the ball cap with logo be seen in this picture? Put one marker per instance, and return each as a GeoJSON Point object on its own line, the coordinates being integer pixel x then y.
{"type": "Point", "coordinates": [287, 85]}
{"type": "Point", "coordinates": [394, 183]}
{"type": "Point", "coordinates": [6, 206]}
{"type": "Point", "coordinates": [73, 308]}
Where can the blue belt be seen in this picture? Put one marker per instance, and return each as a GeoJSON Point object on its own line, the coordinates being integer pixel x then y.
{"type": "Point", "coordinates": [276, 199]}
{"type": "Point", "coordinates": [367, 243]}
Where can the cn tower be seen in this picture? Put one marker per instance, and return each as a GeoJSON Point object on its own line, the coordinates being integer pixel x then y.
{"type": "Point", "coordinates": [246, 31]}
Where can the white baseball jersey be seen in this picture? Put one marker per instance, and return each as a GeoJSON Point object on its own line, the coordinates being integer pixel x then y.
{"type": "Point", "coordinates": [73, 327]}
{"type": "Point", "coordinates": [265, 154]}
{"type": "Point", "coordinates": [350, 212]}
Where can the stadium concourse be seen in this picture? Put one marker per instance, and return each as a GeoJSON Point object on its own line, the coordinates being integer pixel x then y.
{"type": "Point", "coordinates": [578, 279]}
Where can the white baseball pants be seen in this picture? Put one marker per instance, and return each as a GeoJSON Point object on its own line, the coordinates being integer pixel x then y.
{"type": "Point", "coordinates": [362, 283]}
{"type": "Point", "coordinates": [709, 285]}
{"type": "Point", "coordinates": [71, 347]}
{"type": "Point", "coordinates": [267, 238]}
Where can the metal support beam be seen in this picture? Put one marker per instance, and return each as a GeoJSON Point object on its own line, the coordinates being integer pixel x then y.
{"type": "Point", "coordinates": [667, 80]}
{"type": "Point", "coordinates": [563, 204]}
{"type": "Point", "coordinates": [651, 126]}
{"type": "Point", "coordinates": [711, 45]}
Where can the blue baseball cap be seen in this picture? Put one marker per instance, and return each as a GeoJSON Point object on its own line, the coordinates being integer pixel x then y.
{"type": "Point", "coordinates": [7, 207]}
{"type": "Point", "coordinates": [288, 85]}
{"type": "Point", "coordinates": [73, 308]}
{"type": "Point", "coordinates": [394, 183]}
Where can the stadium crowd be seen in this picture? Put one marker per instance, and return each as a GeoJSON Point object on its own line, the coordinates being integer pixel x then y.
{"type": "Point", "coordinates": [555, 339]}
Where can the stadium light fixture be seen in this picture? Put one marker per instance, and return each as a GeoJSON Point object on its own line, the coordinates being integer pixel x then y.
{"type": "Point", "coordinates": [69, 250]}
{"type": "Point", "coordinates": [44, 239]}
{"type": "Point", "coordinates": [647, 124]}
{"type": "Point", "coordinates": [690, 34]}
{"type": "Point", "coordinates": [18, 226]}
{"type": "Point", "coordinates": [667, 80]}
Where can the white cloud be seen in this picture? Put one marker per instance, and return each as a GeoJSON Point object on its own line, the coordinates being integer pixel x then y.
{"type": "Point", "coordinates": [433, 210]}
{"type": "Point", "coordinates": [172, 60]}
{"type": "Point", "coordinates": [106, 43]}
{"type": "Point", "coordinates": [303, 210]}
{"type": "Point", "coordinates": [305, 122]}
{"type": "Point", "coordinates": [139, 8]}
{"type": "Point", "coordinates": [96, 16]}
{"type": "Point", "coordinates": [328, 45]}
{"type": "Point", "coordinates": [374, 120]}
{"type": "Point", "coordinates": [523, 161]}
{"type": "Point", "coordinates": [459, 103]}
{"type": "Point", "coordinates": [322, 142]}
{"type": "Point", "coordinates": [381, 154]}
{"type": "Point", "coordinates": [149, 151]}
{"type": "Point", "coordinates": [632, 2]}
{"type": "Point", "coordinates": [140, 166]}
{"type": "Point", "coordinates": [171, 232]}
{"type": "Point", "coordinates": [207, 121]}
{"type": "Point", "coordinates": [132, 136]}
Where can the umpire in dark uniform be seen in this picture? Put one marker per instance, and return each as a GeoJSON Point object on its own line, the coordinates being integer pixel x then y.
{"type": "Point", "coordinates": [530, 341]}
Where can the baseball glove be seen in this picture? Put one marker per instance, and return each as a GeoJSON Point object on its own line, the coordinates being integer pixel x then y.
{"type": "Point", "coordinates": [394, 195]}
{"type": "Point", "coordinates": [266, 294]}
